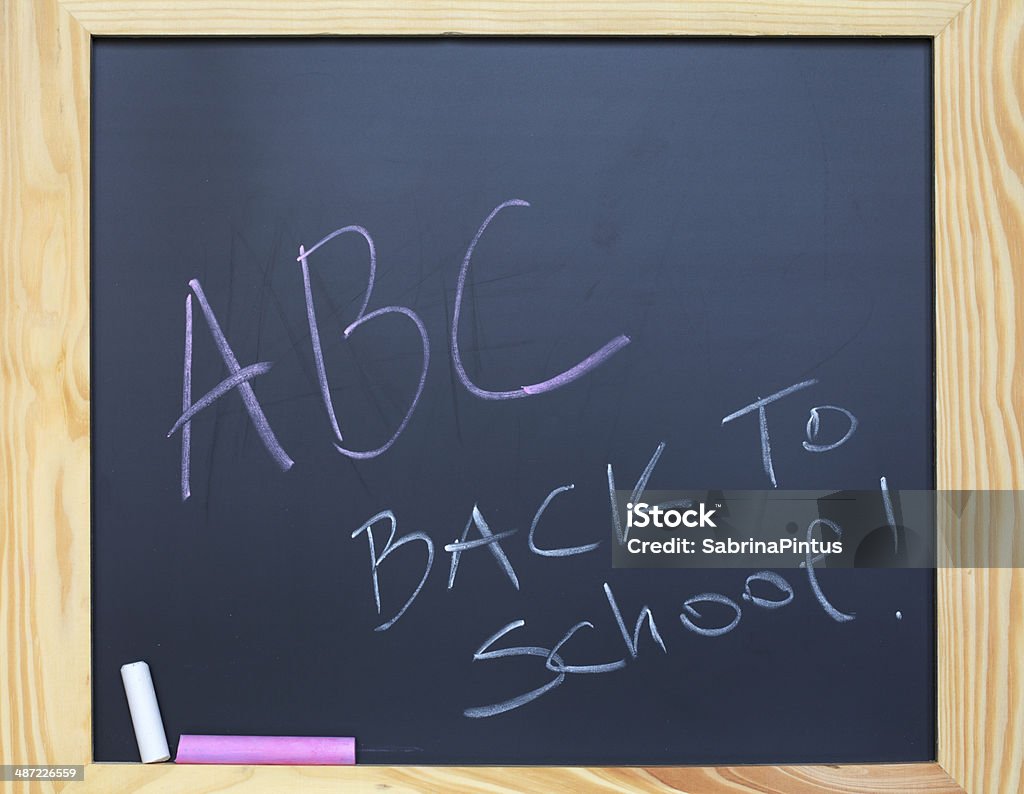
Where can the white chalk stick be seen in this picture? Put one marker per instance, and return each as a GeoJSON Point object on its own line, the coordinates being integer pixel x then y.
{"type": "Point", "coordinates": [149, 727]}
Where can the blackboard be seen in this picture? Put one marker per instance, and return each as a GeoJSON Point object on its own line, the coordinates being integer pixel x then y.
{"type": "Point", "coordinates": [749, 214]}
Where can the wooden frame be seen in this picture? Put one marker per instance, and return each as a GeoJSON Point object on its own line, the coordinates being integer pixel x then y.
{"type": "Point", "coordinates": [45, 708]}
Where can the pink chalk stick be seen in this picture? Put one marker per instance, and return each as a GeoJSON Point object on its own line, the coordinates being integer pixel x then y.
{"type": "Point", "coordinates": [194, 749]}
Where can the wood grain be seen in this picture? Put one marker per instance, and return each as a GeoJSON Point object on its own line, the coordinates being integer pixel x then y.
{"type": "Point", "coordinates": [44, 368]}
{"type": "Point", "coordinates": [545, 17]}
{"type": "Point", "coordinates": [979, 179]}
{"type": "Point", "coordinates": [44, 386]}
{"type": "Point", "coordinates": [878, 779]}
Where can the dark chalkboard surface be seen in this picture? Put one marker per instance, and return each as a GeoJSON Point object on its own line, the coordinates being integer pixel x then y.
{"type": "Point", "coordinates": [750, 214]}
